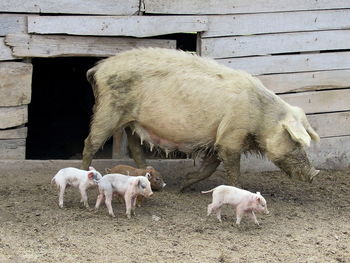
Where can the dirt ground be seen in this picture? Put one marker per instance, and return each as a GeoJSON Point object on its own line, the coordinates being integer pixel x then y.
{"type": "Point", "coordinates": [307, 222]}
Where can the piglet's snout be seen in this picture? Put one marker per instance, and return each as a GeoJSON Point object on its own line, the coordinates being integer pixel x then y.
{"type": "Point", "coordinates": [150, 194]}
{"type": "Point", "coordinates": [267, 212]}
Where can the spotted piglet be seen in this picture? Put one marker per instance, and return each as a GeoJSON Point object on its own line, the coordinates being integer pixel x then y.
{"type": "Point", "coordinates": [128, 187]}
{"type": "Point", "coordinates": [246, 203]}
{"type": "Point", "coordinates": [77, 178]}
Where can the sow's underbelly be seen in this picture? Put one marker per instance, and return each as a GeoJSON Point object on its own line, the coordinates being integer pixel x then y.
{"type": "Point", "coordinates": [174, 138]}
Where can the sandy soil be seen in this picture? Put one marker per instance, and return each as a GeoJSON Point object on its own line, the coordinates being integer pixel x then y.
{"type": "Point", "coordinates": [307, 223]}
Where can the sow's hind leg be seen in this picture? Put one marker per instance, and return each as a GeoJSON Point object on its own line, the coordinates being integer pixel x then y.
{"type": "Point", "coordinates": [207, 168]}
{"type": "Point", "coordinates": [105, 120]}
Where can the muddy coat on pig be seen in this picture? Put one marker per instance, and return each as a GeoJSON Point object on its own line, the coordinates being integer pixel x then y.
{"type": "Point", "coordinates": [179, 101]}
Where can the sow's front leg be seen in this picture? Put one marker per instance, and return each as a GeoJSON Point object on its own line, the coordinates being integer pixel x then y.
{"type": "Point", "coordinates": [232, 164]}
{"type": "Point", "coordinates": [208, 167]}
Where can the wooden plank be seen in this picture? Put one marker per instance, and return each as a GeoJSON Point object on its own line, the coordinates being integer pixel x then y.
{"type": "Point", "coordinates": [320, 101]}
{"type": "Point", "coordinates": [289, 63]}
{"type": "Point", "coordinates": [241, 46]}
{"type": "Point", "coordinates": [13, 116]}
{"type": "Point", "coordinates": [331, 153]}
{"type": "Point", "coordinates": [293, 82]}
{"type": "Point", "coordinates": [237, 6]}
{"type": "Point", "coordinates": [15, 84]}
{"type": "Point", "coordinates": [11, 23]}
{"type": "Point", "coordinates": [251, 24]}
{"type": "Point", "coordinates": [24, 45]}
{"type": "Point", "coordinates": [331, 124]}
{"type": "Point", "coordinates": [17, 133]}
{"type": "Point", "coordinates": [5, 51]}
{"type": "Point", "coordinates": [105, 7]}
{"type": "Point", "coordinates": [135, 26]}
{"type": "Point", "coordinates": [13, 149]}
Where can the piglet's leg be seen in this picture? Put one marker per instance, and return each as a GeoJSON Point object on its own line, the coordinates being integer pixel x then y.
{"type": "Point", "coordinates": [84, 196]}
{"type": "Point", "coordinates": [253, 217]}
{"type": "Point", "coordinates": [99, 200]}
{"type": "Point", "coordinates": [128, 205]}
{"type": "Point", "coordinates": [133, 205]}
{"type": "Point", "coordinates": [139, 200]}
{"type": "Point", "coordinates": [215, 207]}
{"type": "Point", "coordinates": [239, 214]}
{"type": "Point", "coordinates": [61, 194]}
{"type": "Point", "coordinates": [108, 202]}
{"type": "Point", "coordinates": [218, 214]}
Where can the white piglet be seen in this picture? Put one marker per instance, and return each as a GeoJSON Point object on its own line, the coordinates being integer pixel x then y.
{"type": "Point", "coordinates": [246, 203]}
{"type": "Point", "coordinates": [127, 186]}
{"type": "Point", "coordinates": [77, 178]}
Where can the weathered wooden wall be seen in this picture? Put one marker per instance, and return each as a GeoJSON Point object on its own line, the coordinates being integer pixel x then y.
{"type": "Point", "coordinates": [302, 55]}
{"type": "Point", "coordinates": [299, 49]}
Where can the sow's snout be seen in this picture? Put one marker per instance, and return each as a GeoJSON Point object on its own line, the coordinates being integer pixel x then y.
{"type": "Point", "coordinates": [297, 165]}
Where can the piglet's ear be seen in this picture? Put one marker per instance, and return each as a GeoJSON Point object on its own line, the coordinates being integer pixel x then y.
{"type": "Point", "coordinates": [258, 199]}
{"type": "Point", "coordinates": [148, 176]}
{"type": "Point", "coordinates": [258, 193]}
{"type": "Point", "coordinates": [138, 183]}
{"type": "Point", "coordinates": [107, 170]}
{"type": "Point", "coordinates": [90, 175]}
{"type": "Point", "coordinates": [91, 168]}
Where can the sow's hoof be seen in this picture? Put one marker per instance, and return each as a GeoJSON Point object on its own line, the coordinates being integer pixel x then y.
{"type": "Point", "coordinates": [192, 178]}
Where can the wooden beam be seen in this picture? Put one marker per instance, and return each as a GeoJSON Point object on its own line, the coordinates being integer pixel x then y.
{"type": "Point", "coordinates": [135, 26]}
{"type": "Point", "coordinates": [251, 24]}
{"type": "Point", "coordinates": [89, 7]}
{"type": "Point", "coordinates": [331, 124]}
{"type": "Point", "coordinates": [15, 84]}
{"type": "Point", "coordinates": [237, 6]}
{"type": "Point", "coordinates": [289, 63]}
{"type": "Point", "coordinates": [320, 101]}
{"type": "Point", "coordinates": [13, 116]}
{"type": "Point", "coordinates": [13, 149]}
{"type": "Point", "coordinates": [24, 45]}
{"type": "Point", "coordinates": [17, 133]}
{"type": "Point", "coordinates": [308, 81]}
{"type": "Point", "coordinates": [12, 23]}
{"type": "Point", "coordinates": [331, 153]}
{"type": "Point", "coordinates": [5, 51]}
{"type": "Point", "coordinates": [241, 46]}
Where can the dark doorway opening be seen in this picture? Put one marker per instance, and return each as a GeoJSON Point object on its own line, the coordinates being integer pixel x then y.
{"type": "Point", "coordinates": [61, 107]}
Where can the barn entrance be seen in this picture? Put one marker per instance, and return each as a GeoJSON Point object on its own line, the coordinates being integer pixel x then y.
{"type": "Point", "coordinates": [60, 110]}
{"type": "Point", "coordinates": [61, 106]}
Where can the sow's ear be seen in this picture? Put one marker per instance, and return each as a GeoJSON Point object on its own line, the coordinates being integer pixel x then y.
{"type": "Point", "coordinates": [299, 128]}
{"type": "Point", "coordinates": [297, 132]}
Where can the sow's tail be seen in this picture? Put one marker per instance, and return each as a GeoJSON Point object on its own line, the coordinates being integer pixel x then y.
{"type": "Point", "coordinates": [209, 191]}
{"type": "Point", "coordinates": [90, 75]}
